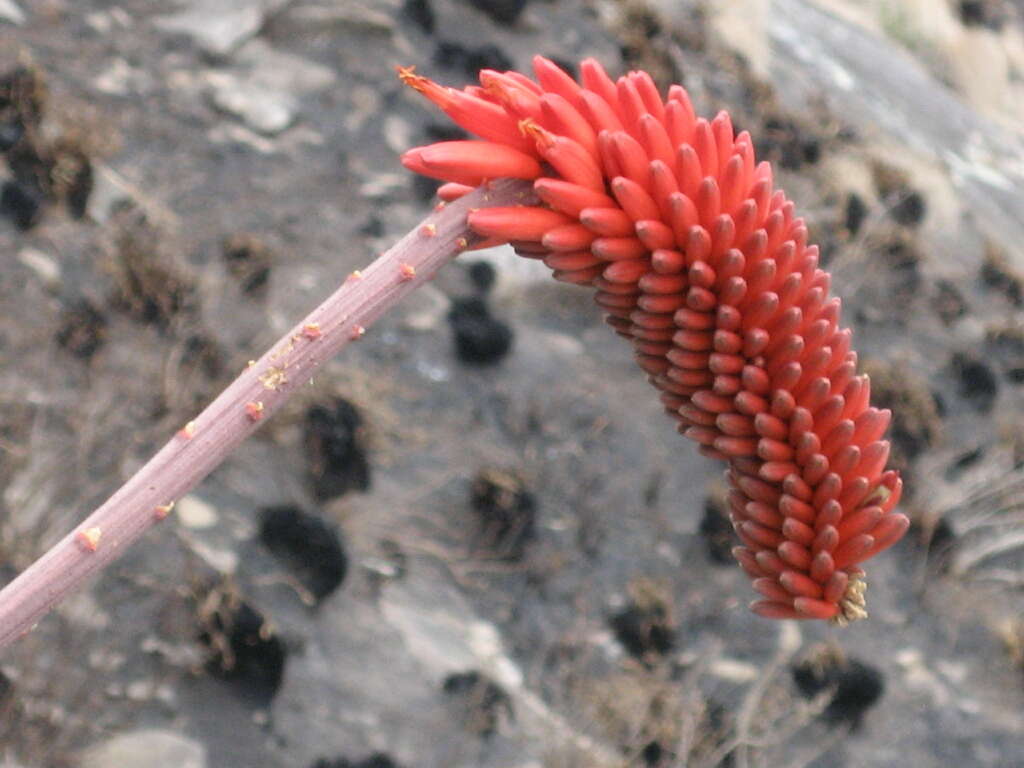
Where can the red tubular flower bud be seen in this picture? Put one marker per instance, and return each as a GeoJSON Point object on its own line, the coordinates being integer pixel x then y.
{"type": "Point", "coordinates": [481, 159]}
{"type": "Point", "coordinates": [516, 223]}
{"type": "Point", "coordinates": [570, 198]}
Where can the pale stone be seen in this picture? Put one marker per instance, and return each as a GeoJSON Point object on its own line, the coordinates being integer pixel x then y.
{"type": "Point", "coordinates": [195, 513]}
{"type": "Point", "coordinates": [144, 749]}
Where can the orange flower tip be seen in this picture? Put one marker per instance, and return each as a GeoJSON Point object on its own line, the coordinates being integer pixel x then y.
{"type": "Point", "coordinates": [462, 243]}
{"type": "Point", "coordinates": [254, 410]}
{"type": "Point", "coordinates": [406, 271]}
{"type": "Point", "coordinates": [436, 93]}
{"type": "Point", "coordinates": [312, 331]}
{"type": "Point", "coordinates": [90, 538]}
{"type": "Point", "coordinates": [357, 332]}
{"type": "Point", "coordinates": [529, 128]}
{"type": "Point", "coordinates": [407, 75]}
{"type": "Point", "coordinates": [428, 230]}
{"type": "Point", "coordinates": [354, 276]}
{"type": "Point", "coordinates": [439, 207]}
{"type": "Point", "coordinates": [163, 510]}
{"type": "Point", "coordinates": [188, 431]}
{"type": "Point", "coordinates": [250, 364]}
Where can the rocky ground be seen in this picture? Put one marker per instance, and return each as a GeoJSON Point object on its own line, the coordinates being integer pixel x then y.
{"type": "Point", "coordinates": [475, 540]}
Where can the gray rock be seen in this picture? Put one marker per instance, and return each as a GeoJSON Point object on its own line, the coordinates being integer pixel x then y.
{"type": "Point", "coordinates": [120, 78]}
{"type": "Point", "coordinates": [141, 749]}
{"type": "Point", "coordinates": [262, 90]}
{"type": "Point", "coordinates": [42, 264]}
{"type": "Point", "coordinates": [109, 192]}
{"type": "Point", "coordinates": [353, 14]}
{"type": "Point", "coordinates": [219, 27]}
{"type": "Point", "coordinates": [10, 12]}
{"type": "Point", "coordinates": [424, 309]}
{"type": "Point", "coordinates": [264, 110]}
{"type": "Point", "coordinates": [878, 88]}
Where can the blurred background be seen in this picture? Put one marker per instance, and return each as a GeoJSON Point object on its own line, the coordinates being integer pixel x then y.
{"type": "Point", "coordinates": [474, 539]}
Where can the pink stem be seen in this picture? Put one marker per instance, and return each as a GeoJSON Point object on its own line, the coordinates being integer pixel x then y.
{"type": "Point", "coordinates": [254, 396]}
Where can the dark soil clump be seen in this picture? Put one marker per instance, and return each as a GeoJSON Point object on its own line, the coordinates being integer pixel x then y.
{"type": "Point", "coordinates": [244, 648]}
{"type": "Point", "coordinates": [977, 381]}
{"type": "Point", "coordinates": [984, 13]}
{"type": "Point", "coordinates": [949, 302]}
{"type": "Point", "coordinates": [646, 627]}
{"type": "Point", "coordinates": [906, 206]}
{"type": "Point", "coordinates": [50, 162]}
{"type": "Point", "coordinates": [248, 260]}
{"type": "Point", "coordinates": [719, 538]}
{"type": "Point", "coordinates": [421, 13]}
{"type": "Point", "coordinates": [855, 214]}
{"type": "Point", "coordinates": [335, 447]}
{"type": "Point", "coordinates": [21, 203]}
{"type": "Point", "coordinates": [83, 329]}
{"type": "Point", "coordinates": [999, 275]}
{"type": "Point", "coordinates": [857, 686]}
{"type": "Point", "coordinates": [507, 513]}
{"type": "Point", "coordinates": [479, 700]}
{"type": "Point", "coordinates": [482, 275]}
{"type": "Point", "coordinates": [307, 546]}
{"type": "Point", "coordinates": [479, 338]}
{"type": "Point", "coordinates": [470, 60]}
{"type": "Point", "coordinates": [376, 760]}
{"type": "Point", "coordinates": [502, 11]}
{"type": "Point", "coordinates": [148, 284]}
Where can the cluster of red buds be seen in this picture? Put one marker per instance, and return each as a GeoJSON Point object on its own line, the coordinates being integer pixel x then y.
{"type": "Point", "coordinates": [705, 268]}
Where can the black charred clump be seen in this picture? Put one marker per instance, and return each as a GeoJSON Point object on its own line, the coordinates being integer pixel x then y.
{"type": "Point", "coordinates": [501, 11]}
{"type": "Point", "coordinates": [855, 685]}
{"type": "Point", "coordinates": [719, 537]}
{"type": "Point", "coordinates": [905, 205]}
{"type": "Point", "coordinates": [998, 274]}
{"type": "Point", "coordinates": [478, 701]}
{"type": "Point", "coordinates": [244, 649]}
{"type": "Point", "coordinates": [507, 512]}
{"type": "Point", "coordinates": [336, 451]}
{"type": "Point", "coordinates": [420, 13]}
{"type": "Point", "coordinates": [376, 760]}
{"type": "Point", "coordinates": [471, 59]}
{"type": "Point", "coordinates": [480, 338]}
{"type": "Point", "coordinates": [248, 261]}
{"type": "Point", "coordinates": [48, 166]}
{"type": "Point", "coordinates": [308, 546]}
{"type": "Point", "coordinates": [83, 329]}
{"type": "Point", "coordinates": [151, 283]}
{"type": "Point", "coordinates": [978, 383]}
{"type": "Point", "coordinates": [645, 626]}
{"type": "Point", "coordinates": [483, 276]}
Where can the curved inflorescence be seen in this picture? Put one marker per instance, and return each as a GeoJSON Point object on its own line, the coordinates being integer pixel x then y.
{"type": "Point", "coordinates": [705, 268]}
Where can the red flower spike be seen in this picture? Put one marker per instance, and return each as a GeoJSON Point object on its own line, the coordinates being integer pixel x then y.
{"type": "Point", "coordinates": [705, 268]}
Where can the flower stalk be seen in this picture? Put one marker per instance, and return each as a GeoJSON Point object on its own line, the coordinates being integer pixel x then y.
{"type": "Point", "coordinates": [261, 389]}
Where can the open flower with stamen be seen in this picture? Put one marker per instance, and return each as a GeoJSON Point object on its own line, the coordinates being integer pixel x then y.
{"type": "Point", "coordinates": [705, 268]}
